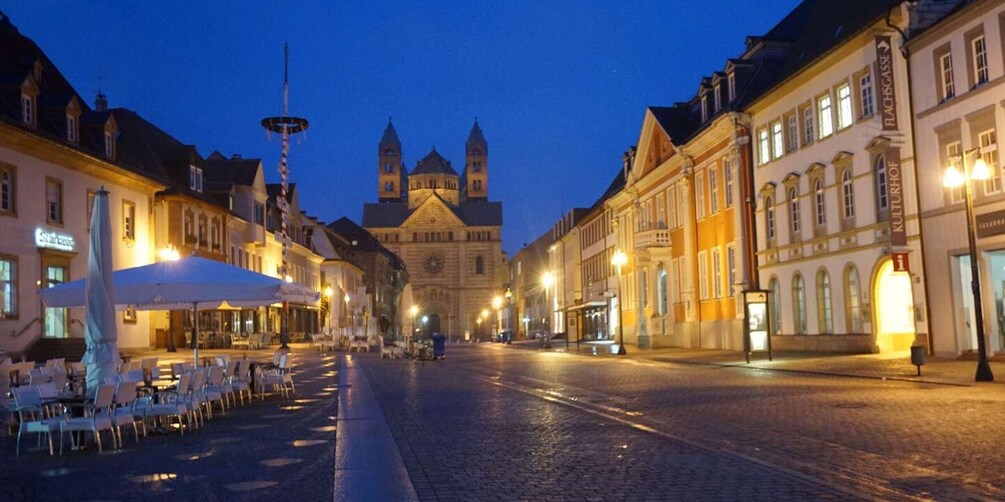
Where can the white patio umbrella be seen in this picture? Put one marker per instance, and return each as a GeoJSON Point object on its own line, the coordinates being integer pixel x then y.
{"type": "Point", "coordinates": [102, 356]}
{"type": "Point", "coordinates": [193, 282]}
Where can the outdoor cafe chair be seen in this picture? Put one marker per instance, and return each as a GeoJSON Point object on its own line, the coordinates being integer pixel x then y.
{"type": "Point", "coordinates": [125, 412]}
{"type": "Point", "coordinates": [215, 390]}
{"type": "Point", "coordinates": [196, 398]}
{"type": "Point", "coordinates": [280, 378]}
{"type": "Point", "coordinates": [32, 417]}
{"type": "Point", "coordinates": [227, 387]}
{"type": "Point", "coordinates": [39, 376]}
{"type": "Point", "coordinates": [170, 403]}
{"type": "Point", "coordinates": [240, 379]}
{"type": "Point", "coordinates": [97, 417]}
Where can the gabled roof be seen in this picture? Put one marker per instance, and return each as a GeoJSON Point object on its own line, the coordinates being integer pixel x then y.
{"type": "Point", "coordinates": [434, 163]}
{"type": "Point", "coordinates": [678, 122]}
{"type": "Point", "coordinates": [236, 170]}
{"type": "Point", "coordinates": [474, 213]}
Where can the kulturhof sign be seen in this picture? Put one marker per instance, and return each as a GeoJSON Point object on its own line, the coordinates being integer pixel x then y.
{"type": "Point", "coordinates": [895, 192]}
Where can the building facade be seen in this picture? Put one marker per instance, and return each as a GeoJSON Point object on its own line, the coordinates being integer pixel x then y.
{"type": "Point", "coordinates": [444, 228]}
{"type": "Point", "coordinates": [958, 77]}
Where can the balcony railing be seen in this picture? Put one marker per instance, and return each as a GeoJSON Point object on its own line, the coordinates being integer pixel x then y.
{"type": "Point", "coordinates": [652, 239]}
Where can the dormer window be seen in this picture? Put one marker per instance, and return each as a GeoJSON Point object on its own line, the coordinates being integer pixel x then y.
{"type": "Point", "coordinates": [704, 108]}
{"type": "Point", "coordinates": [731, 86]}
{"type": "Point", "coordinates": [109, 144]}
{"type": "Point", "coordinates": [716, 99]}
{"type": "Point", "coordinates": [28, 109]}
{"type": "Point", "coordinates": [72, 128]}
{"type": "Point", "coordinates": [195, 178]}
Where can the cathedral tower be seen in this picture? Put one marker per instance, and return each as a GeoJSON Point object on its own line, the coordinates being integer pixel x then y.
{"type": "Point", "coordinates": [476, 168]}
{"type": "Point", "coordinates": [390, 175]}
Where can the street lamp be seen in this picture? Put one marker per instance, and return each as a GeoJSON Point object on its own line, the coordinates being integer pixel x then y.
{"type": "Point", "coordinates": [348, 316]}
{"type": "Point", "coordinates": [547, 280]}
{"type": "Point", "coordinates": [413, 310]}
{"type": "Point", "coordinates": [954, 179]}
{"type": "Point", "coordinates": [497, 302]}
{"type": "Point", "coordinates": [330, 293]}
{"type": "Point", "coordinates": [619, 260]}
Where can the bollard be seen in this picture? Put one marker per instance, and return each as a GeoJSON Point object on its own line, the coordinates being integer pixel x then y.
{"type": "Point", "coordinates": [918, 356]}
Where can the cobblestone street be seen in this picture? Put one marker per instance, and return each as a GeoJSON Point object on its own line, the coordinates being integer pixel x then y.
{"type": "Point", "coordinates": [493, 422]}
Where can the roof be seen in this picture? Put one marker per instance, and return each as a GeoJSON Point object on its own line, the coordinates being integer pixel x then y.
{"type": "Point", "coordinates": [434, 163]}
{"type": "Point", "coordinates": [390, 138]}
{"type": "Point", "coordinates": [476, 138]}
{"type": "Point", "coordinates": [237, 170]}
{"type": "Point", "coordinates": [274, 189]}
{"type": "Point", "coordinates": [616, 185]}
{"type": "Point", "coordinates": [677, 122]}
{"type": "Point", "coordinates": [474, 213]}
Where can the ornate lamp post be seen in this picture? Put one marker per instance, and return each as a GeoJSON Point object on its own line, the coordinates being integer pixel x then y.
{"type": "Point", "coordinates": [548, 280]}
{"type": "Point", "coordinates": [619, 260]}
{"type": "Point", "coordinates": [954, 179]}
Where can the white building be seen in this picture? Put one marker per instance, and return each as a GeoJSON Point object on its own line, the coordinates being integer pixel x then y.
{"type": "Point", "coordinates": [958, 90]}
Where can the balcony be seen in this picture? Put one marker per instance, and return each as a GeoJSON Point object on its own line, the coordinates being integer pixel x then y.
{"type": "Point", "coordinates": [652, 236]}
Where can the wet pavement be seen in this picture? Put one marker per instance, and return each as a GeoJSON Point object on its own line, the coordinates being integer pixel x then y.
{"type": "Point", "coordinates": [494, 423]}
{"type": "Point", "coordinates": [272, 449]}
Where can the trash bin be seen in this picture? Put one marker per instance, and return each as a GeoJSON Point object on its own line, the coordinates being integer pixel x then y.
{"type": "Point", "coordinates": [439, 346]}
{"type": "Point", "coordinates": [918, 356]}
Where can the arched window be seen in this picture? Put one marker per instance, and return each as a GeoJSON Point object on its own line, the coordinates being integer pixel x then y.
{"type": "Point", "coordinates": [769, 217]}
{"type": "Point", "coordinates": [847, 194]}
{"type": "Point", "coordinates": [661, 290]}
{"type": "Point", "coordinates": [799, 304]}
{"type": "Point", "coordinates": [479, 265]}
{"type": "Point", "coordinates": [794, 211]}
{"type": "Point", "coordinates": [776, 306]}
{"type": "Point", "coordinates": [882, 195]}
{"type": "Point", "coordinates": [388, 168]}
{"type": "Point", "coordinates": [819, 202]}
{"type": "Point", "coordinates": [825, 313]}
{"type": "Point", "coordinates": [852, 300]}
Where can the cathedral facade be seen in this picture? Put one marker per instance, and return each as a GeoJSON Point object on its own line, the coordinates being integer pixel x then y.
{"type": "Point", "coordinates": [444, 228]}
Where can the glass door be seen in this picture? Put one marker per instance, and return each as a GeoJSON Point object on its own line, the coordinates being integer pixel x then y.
{"type": "Point", "coordinates": [964, 318]}
{"type": "Point", "coordinates": [996, 260]}
{"type": "Point", "coordinates": [55, 318]}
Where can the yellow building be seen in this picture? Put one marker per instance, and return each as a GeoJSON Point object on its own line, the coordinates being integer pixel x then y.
{"type": "Point", "coordinates": [442, 225]}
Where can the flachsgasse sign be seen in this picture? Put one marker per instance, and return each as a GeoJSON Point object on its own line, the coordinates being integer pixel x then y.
{"type": "Point", "coordinates": [887, 93]}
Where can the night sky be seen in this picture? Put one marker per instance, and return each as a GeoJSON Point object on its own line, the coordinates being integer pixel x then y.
{"type": "Point", "coordinates": [559, 87]}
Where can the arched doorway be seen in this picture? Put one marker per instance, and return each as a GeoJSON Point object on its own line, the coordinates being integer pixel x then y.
{"type": "Point", "coordinates": [433, 324]}
{"type": "Point", "coordinates": [893, 309]}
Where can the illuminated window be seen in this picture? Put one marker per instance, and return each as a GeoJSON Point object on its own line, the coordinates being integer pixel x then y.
{"type": "Point", "coordinates": [988, 141]}
{"type": "Point", "coordinates": [777, 149]}
{"type": "Point", "coordinates": [764, 147]}
{"type": "Point", "coordinates": [825, 114]}
{"type": "Point", "coordinates": [713, 189]}
{"type": "Point", "coordinates": [946, 69]}
{"type": "Point", "coordinates": [845, 114]}
{"type": "Point", "coordinates": [8, 286]}
{"type": "Point", "coordinates": [794, 219]}
{"type": "Point", "coordinates": [195, 178]}
{"type": "Point", "coordinates": [953, 153]}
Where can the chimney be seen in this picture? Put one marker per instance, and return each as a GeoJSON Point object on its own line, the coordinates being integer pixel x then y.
{"type": "Point", "coordinates": [101, 103]}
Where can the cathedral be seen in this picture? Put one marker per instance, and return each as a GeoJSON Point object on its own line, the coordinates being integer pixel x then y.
{"type": "Point", "coordinates": [446, 230]}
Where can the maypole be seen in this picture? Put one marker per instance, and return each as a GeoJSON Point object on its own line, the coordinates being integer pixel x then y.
{"type": "Point", "coordinates": [286, 126]}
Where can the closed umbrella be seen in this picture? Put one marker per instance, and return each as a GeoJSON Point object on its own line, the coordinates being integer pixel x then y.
{"type": "Point", "coordinates": [102, 356]}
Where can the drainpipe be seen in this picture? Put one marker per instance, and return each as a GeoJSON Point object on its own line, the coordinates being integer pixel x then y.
{"type": "Point", "coordinates": [917, 185]}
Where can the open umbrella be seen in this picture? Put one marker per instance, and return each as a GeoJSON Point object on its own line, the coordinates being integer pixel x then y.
{"type": "Point", "coordinates": [192, 282]}
{"type": "Point", "coordinates": [102, 356]}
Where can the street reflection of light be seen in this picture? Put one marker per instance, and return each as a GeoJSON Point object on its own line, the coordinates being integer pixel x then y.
{"type": "Point", "coordinates": [154, 478]}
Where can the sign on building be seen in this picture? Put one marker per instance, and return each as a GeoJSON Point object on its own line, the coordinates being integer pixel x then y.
{"type": "Point", "coordinates": [887, 91]}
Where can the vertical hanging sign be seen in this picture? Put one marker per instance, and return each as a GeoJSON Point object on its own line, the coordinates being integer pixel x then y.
{"type": "Point", "coordinates": [887, 93]}
{"type": "Point", "coordinates": [895, 192]}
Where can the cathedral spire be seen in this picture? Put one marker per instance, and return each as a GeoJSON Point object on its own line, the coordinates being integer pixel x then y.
{"type": "Point", "coordinates": [476, 139]}
{"type": "Point", "coordinates": [390, 138]}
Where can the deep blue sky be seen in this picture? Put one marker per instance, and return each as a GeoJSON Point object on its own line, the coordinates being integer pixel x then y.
{"type": "Point", "coordinates": [559, 87]}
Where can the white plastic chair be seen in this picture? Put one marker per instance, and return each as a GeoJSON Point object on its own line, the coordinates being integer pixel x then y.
{"type": "Point", "coordinates": [215, 390]}
{"type": "Point", "coordinates": [125, 413]}
{"type": "Point", "coordinates": [240, 380]}
{"type": "Point", "coordinates": [32, 417]}
{"type": "Point", "coordinates": [97, 417]}
{"type": "Point", "coordinates": [172, 403]}
{"type": "Point", "coordinates": [280, 378]}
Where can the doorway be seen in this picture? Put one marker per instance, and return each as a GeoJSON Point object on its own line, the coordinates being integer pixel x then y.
{"type": "Point", "coordinates": [893, 297]}
{"type": "Point", "coordinates": [56, 319]}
